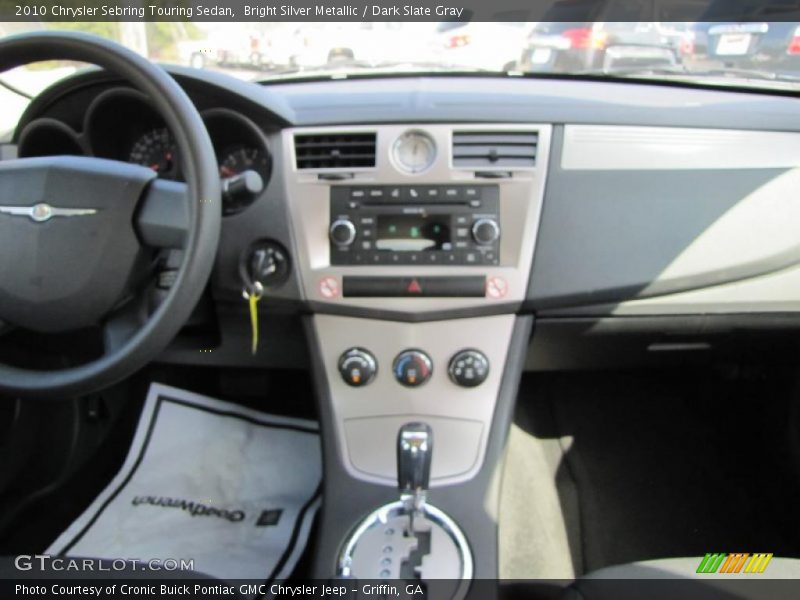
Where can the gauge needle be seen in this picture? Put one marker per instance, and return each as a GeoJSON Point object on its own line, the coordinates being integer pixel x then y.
{"type": "Point", "coordinates": [155, 166]}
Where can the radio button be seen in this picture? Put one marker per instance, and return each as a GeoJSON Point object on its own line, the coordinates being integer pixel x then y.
{"type": "Point", "coordinates": [472, 193]}
{"type": "Point", "coordinates": [414, 194]}
{"type": "Point", "coordinates": [342, 232]}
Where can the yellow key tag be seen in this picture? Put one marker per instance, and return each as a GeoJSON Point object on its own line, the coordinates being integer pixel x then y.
{"type": "Point", "coordinates": [252, 298]}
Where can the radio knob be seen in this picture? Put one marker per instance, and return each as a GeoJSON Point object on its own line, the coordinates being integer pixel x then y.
{"type": "Point", "coordinates": [342, 232]}
{"type": "Point", "coordinates": [485, 231]}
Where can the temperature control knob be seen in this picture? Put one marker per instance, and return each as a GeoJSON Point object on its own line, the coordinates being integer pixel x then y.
{"type": "Point", "coordinates": [468, 368]}
{"type": "Point", "coordinates": [357, 367]}
{"type": "Point", "coordinates": [342, 232]}
{"type": "Point", "coordinates": [485, 231]}
{"type": "Point", "coordinates": [412, 368]}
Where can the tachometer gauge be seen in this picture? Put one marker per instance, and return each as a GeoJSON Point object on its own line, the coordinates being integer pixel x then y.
{"type": "Point", "coordinates": [156, 149]}
{"type": "Point", "coordinates": [237, 159]}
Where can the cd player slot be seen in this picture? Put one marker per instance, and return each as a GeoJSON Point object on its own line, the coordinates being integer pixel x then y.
{"type": "Point", "coordinates": [406, 203]}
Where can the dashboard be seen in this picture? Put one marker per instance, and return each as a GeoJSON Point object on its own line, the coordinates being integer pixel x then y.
{"type": "Point", "coordinates": [422, 198]}
{"type": "Point", "coordinates": [402, 224]}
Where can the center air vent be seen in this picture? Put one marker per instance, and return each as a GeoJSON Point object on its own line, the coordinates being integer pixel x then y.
{"type": "Point", "coordinates": [335, 151]}
{"type": "Point", "coordinates": [495, 149]}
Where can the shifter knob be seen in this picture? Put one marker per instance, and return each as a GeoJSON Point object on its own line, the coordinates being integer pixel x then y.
{"type": "Point", "coordinates": [414, 453]}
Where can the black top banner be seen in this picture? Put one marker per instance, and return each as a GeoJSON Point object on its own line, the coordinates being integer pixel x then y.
{"type": "Point", "coordinates": [409, 10]}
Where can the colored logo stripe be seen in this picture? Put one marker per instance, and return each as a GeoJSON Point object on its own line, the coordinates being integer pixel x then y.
{"type": "Point", "coordinates": [735, 562]}
{"type": "Point", "coordinates": [710, 563]}
{"type": "Point", "coordinates": [757, 563]}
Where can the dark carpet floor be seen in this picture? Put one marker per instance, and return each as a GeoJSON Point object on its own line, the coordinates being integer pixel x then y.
{"type": "Point", "coordinates": [674, 463]}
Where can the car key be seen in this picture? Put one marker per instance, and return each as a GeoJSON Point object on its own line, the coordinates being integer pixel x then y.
{"type": "Point", "coordinates": [253, 295]}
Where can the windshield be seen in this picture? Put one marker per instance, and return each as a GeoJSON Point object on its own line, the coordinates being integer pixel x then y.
{"type": "Point", "coordinates": [577, 40]}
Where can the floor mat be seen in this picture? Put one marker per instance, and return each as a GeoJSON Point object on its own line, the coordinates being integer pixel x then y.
{"type": "Point", "coordinates": [672, 464]}
{"type": "Point", "coordinates": [228, 487]}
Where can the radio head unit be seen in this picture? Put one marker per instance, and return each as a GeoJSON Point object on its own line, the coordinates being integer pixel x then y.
{"type": "Point", "coordinates": [415, 225]}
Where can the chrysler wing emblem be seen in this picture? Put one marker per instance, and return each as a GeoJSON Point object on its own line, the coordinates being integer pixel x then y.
{"type": "Point", "coordinates": [44, 212]}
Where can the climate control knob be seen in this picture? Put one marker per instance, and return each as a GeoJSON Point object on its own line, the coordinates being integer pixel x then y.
{"type": "Point", "coordinates": [468, 368]}
{"type": "Point", "coordinates": [412, 368]}
{"type": "Point", "coordinates": [485, 231]}
{"type": "Point", "coordinates": [342, 232]}
{"type": "Point", "coordinates": [357, 367]}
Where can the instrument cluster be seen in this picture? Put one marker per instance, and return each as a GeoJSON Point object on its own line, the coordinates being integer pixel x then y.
{"type": "Point", "coordinates": [121, 124]}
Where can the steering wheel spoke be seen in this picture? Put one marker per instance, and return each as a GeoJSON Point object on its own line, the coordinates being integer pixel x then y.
{"type": "Point", "coordinates": [163, 218]}
{"type": "Point", "coordinates": [121, 325]}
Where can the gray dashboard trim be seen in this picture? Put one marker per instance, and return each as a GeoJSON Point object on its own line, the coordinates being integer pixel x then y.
{"type": "Point", "coordinates": [520, 100]}
{"type": "Point", "coordinates": [626, 148]}
{"type": "Point", "coordinates": [610, 235]}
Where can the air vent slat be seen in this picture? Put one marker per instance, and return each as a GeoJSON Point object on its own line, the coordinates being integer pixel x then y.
{"type": "Point", "coordinates": [335, 151]}
{"type": "Point", "coordinates": [495, 149]}
{"type": "Point", "coordinates": [304, 145]}
{"type": "Point", "coordinates": [496, 138]}
{"type": "Point", "coordinates": [500, 151]}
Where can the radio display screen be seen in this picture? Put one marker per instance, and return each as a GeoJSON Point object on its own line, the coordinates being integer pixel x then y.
{"type": "Point", "coordinates": [413, 233]}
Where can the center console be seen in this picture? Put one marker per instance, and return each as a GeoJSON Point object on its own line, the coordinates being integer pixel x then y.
{"type": "Point", "coordinates": [414, 244]}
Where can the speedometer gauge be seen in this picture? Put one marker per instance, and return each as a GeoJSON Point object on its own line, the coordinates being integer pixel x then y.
{"type": "Point", "coordinates": [237, 159]}
{"type": "Point", "coordinates": [156, 149]}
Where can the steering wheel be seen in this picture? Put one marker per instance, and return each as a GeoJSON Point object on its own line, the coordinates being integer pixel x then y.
{"type": "Point", "coordinates": [78, 233]}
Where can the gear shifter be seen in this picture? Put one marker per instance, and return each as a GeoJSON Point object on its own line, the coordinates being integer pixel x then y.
{"type": "Point", "coordinates": [410, 539]}
{"type": "Point", "coordinates": [414, 454]}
